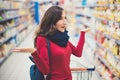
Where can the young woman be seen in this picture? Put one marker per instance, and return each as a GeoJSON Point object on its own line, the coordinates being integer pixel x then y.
{"type": "Point", "coordinates": [53, 26]}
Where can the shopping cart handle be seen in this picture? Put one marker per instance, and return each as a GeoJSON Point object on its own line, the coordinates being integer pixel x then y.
{"type": "Point", "coordinates": [91, 69]}
{"type": "Point", "coordinates": [82, 69]}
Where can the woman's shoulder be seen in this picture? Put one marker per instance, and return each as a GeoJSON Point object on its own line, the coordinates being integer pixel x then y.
{"type": "Point", "coordinates": [41, 38]}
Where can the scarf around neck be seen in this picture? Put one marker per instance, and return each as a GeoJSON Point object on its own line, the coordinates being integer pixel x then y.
{"type": "Point", "coordinates": [60, 38]}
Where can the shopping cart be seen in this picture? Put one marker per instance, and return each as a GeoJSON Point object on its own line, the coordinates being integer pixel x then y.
{"type": "Point", "coordinates": [80, 72]}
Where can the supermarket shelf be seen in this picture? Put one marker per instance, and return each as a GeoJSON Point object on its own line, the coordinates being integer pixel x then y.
{"type": "Point", "coordinates": [118, 42]}
{"type": "Point", "coordinates": [20, 30]}
{"type": "Point", "coordinates": [3, 9]}
{"type": "Point", "coordinates": [102, 19]}
{"type": "Point", "coordinates": [87, 17]}
{"type": "Point", "coordinates": [99, 5]}
{"type": "Point", "coordinates": [8, 54]}
{"type": "Point", "coordinates": [17, 24]}
{"type": "Point", "coordinates": [106, 35]}
{"type": "Point", "coordinates": [4, 58]}
{"type": "Point", "coordinates": [97, 18]}
{"type": "Point", "coordinates": [116, 58]}
{"type": "Point", "coordinates": [7, 39]}
{"type": "Point", "coordinates": [110, 37]}
{"type": "Point", "coordinates": [106, 5]}
{"type": "Point", "coordinates": [10, 18]}
{"type": "Point", "coordinates": [103, 60]}
{"type": "Point", "coordinates": [2, 31]}
{"type": "Point", "coordinates": [108, 66]}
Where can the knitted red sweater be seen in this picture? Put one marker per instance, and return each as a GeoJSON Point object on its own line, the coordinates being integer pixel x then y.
{"type": "Point", "coordinates": [59, 67]}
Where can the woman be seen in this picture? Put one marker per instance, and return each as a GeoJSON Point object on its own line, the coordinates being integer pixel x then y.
{"type": "Point", "coordinates": [53, 26]}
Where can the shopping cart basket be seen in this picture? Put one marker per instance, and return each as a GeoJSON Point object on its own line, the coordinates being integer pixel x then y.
{"type": "Point", "coordinates": [80, 72]}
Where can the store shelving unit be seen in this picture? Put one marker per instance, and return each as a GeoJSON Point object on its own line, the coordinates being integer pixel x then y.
{"type": "Point", "coordinates": [104, 19]}
{"type": "Point", "coordinates": [16, 21]}
{"type": "Point", "coordinates": [108, 53]}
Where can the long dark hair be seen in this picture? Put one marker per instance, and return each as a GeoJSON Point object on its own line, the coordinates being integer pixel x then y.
{"type": "Point", "coordinates": [47, 25]}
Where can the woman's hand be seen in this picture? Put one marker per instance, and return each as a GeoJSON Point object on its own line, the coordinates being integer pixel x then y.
{"type": "Point", "coordinates": [24, 50]}
{"type": "Point", "coordinates": [86, 29]}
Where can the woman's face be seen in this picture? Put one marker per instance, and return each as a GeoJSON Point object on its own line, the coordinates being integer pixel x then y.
{"type": "Point", "coordinates": [62, 23]}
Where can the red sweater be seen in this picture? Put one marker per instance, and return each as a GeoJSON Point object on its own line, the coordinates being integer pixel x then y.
{"type": "Point", "coordinates": [59, 67]}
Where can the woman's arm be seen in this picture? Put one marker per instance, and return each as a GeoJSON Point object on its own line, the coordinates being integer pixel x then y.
{"type": "Point", "coordinates": [41, 55]}
{"type": "Point", "coordinates": [77, 51]}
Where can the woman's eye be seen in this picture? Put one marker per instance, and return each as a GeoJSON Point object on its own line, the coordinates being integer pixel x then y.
{"type": "Point", "coordinates": [65, 17]}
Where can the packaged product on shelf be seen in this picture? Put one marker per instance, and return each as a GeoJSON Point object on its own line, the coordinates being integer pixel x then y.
{"type": "Point", "coordinates": [7, 34]}
{"type": "Point", "coordinates": [15, 17]}
{"type": "Point", "coordinates": [102, 53]}
{"type": "Point", "coordinates": [107, 74]}
{"type": "Point", "coordinates": [1, 51]}
{"type": "Point", "coordinates": [112, 30]}
{"type": "Point", "coordinates": [12, 23]}
{"type": "Point", "coordinates": [106, 43]}
{"type": "Point", "coordinates": [2, 38]}
{"type": "Point", "coordinates": [8, 47]}
{"type": "Point", "coordinates": [119, 51]}
{"type": "Point", "coordinates": [3, 4]}
{"type": "Point", "coordinates": [111, 1]}
{"type": "Point", "coordinates": [17, 5]}
{"type": "Point", "coordinates": [118, 68]}
{"type": "Point", "coordinates": [117, 25]}
{"type": "Point", "coordinates": [113, 47]}
{"type": "Point", "coordinates": [18, 39]}
{"type": "Point", "coordinates": [101, 27]}
{"type": "Point", "coordinates": [1, 18]}
{"type": "Point", "coordinates": [116, 49]}
{"type": "Point", "coordinates": [110, 12]}
{"type": "Point", "coordinates": [102, 68]}
{"type": "Point", "coordinates": [107, 29]}
{"type": "Point", "coordinates": [2, 28]}
{"type": "Point", "coordinates": [4, 46]}
{"type": "Point", "coordinates": [118, 33]}
{"type": "Point", "coordinates": [113, 64]}
{"type": "Point", "coordinates": [115, 36]}
{"type": "Point", "coordinates": [23, 12]}
{"type": "Point", "coordinates": [117, 14]}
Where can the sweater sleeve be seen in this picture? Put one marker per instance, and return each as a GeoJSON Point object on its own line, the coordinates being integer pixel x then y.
{"type": "Point", "coordinates": [77, 51]}
{"type": "Point", "coordinates": [41, 55]}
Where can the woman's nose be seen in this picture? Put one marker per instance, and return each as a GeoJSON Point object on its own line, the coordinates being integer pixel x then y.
{"type": "Point", "coordinates": [65, 22]}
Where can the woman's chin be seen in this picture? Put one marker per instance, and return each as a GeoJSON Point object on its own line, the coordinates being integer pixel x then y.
{"type": "Point", "coordinates": [62, 30]}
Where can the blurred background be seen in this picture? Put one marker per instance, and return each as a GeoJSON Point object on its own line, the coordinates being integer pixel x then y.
{"type": "Point", "coordinates": [20, 18]}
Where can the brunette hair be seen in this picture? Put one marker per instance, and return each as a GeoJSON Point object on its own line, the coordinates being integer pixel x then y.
{"type": "Point", "coordinates": [50, 18]}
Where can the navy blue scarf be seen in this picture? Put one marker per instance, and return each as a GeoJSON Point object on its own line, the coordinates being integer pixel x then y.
{"type": "Point", "coordinates": [60, 38]}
